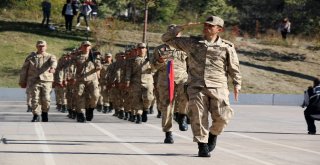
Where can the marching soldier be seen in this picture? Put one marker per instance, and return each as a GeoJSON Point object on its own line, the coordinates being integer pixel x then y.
{"type": "Point", "coordinates": [210, 60]}
{"type": "Point", "coordinates": [37, 73]}
{"type": "Point", "coordinates": [87, 85]}
{"type": "Point", "coordinates": [104, 100]}
{"type": "Point", "coordinates": [60, 89]}
{"type": "Point", "coordinates": [164, 56]}
{"type": "Point", "coordinates": [139, 79]}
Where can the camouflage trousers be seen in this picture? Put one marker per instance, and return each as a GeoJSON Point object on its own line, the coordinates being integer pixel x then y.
{"type": "Point", "coordinates": [141, 97]}
{"type": "Point", "coordinates": [40, 96]}
{"type": "Point", "coordinates": [117, 98]}
{"type": "Point", "coordinates": [70, 96]}
{"type": "Point", "coordinates": [127, 101]}
{"type": "Point", "coordinates": [29, 98]}
{"type": "Point", "coordinates": [104, 98]}
{"type": "Point", "coordinates": [87, 94]}
{"type": "Point", "coordinates": [179, 104]}
{"type": "Point", "coordinates": [60, 95]}
{"type": "Point", "coordinates": [204, 102]}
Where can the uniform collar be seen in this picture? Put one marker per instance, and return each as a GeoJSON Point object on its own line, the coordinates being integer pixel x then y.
{"type": "Point", "coordinates": [218, 42]}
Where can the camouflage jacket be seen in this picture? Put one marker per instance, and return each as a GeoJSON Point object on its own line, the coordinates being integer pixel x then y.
{"type": "Point", "coordinates": [179, 65]}
{"type": "Point", "coordinates": [139, 72]}
{"type": "Point", "coordinates": [36, 67]}
{"type": "Point", "coordinates": [104, 72]}
{"type": "Point", "coordinates": [210, 63]}
{"type": "Point", "coordinates": [86, 67]}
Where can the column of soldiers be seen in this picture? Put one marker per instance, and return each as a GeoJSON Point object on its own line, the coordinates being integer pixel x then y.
{"type": "Point", "coordinates": [202, 67]}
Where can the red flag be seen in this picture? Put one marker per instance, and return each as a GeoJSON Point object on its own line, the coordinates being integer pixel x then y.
{"type": "Point", "coordinates": [170, 72]}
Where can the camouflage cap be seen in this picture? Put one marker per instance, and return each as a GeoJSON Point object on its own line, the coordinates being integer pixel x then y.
{"type": "Point", "coordinates": [214, 20]}
{"type": "Point", "coordinates": [86, 43]}
{"type": "Point", "coordinates": [142, 45]}
{"type": "Point", "coordinates": [108, 55]}
{"type": "Point", "coordinates": [41, 43]}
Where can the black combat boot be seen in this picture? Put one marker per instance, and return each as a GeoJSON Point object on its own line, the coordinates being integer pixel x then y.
{"type": "Point", "coordinates": [203, 150]}
{"type": "Point", "coordinates": [89, 114]}
{"type": "Point", "coordinates": [144, 116]}
{"type": "Point", "coordinates": [176, 117]}
{"type": "Point", "coordinates": [168, 139]}
{"type": "Point", "coordinates": [138, 121]}
{"type": "Point", "coordinates": [132, 118]}
{"type": "Point", "coordinates": [105, 109]}
{"type": "Point", "coordinates": [63, 108]}
{"type": "Point", "coordinates": [74, 115]}
{"type": "Point", "coordinates": [44, 117]}
{"type": "Point", "coordinates": [69, 113]}
{"type": "Point", "coordinates": [80, 118]}
{"type": "Point", "coordinates": [115, 113]}
{"type": "Point", "coordinates": [126, 114]}
{"type": "Point", "coordinates": [212, 140]}
{"type": "Point", "coordinates": [29, 109]}
{"type": "Point", "coordinates": [58, 107]}
{"type": "Point", "coordinates": [110, 107]}
{"type": "Point", "coordinates": [99, 108]}
{"type": "Point", "coordinates": [183, 126]}
{"type": "Point", "coordinates": [121, 114]}
{"type": "Point", "coordinates": [159, 114]}
{"type": "Point", "coordinates": [35, 118]}
{"type": "Point", "coordinates": [151, 110]}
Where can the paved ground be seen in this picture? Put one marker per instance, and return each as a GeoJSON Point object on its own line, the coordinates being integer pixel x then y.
{"type": "Point", "coordinates": [268, 135]}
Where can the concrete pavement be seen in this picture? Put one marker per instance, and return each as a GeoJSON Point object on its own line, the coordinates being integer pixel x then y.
{"type": "Point", "coordinates": [268, 135]}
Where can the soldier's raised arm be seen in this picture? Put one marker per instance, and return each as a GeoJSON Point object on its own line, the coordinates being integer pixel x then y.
{"type": "Point", "coordinates": [172, 37]}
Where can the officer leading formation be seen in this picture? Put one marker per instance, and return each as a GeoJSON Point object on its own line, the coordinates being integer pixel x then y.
{"type": "Point", "coordinates": [190, 73]}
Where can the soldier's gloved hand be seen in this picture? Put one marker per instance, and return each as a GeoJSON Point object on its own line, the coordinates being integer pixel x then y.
{"type": "Point", "coordinates": [52, 70]}
{"type": "Point", "coordinates": [23, 85]}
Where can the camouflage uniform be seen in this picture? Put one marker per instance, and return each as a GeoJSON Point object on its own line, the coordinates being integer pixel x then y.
{"type": "Point", "coordinates": [180, 100]}
{"type": "Point", "coordinates": [87, 85]}
{"type": "Point", "coordinates": [104, 99]}
{"type": "Point", "coordinates": [210, 64]}
{"type": "Point", "coordinates": [60, 90]}
{"type": "Point", "coordinates": [66, 77]}
{"type": "Point", "coordinates": [114, 81]}
{"type": "Point", "coordinates": [139, 76]}
{"type": "Point", "coordinates": [35, 73]}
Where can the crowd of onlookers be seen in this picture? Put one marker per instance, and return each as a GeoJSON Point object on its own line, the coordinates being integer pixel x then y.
{"type": "Point", "coordinates": [88, 9]}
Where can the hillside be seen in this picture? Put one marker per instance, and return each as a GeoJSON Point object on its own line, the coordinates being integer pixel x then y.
{"type": "Point", "coordinates": [265, 68]}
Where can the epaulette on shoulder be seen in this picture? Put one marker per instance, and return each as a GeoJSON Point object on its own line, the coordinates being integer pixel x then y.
{"type": "Point", "coordinates": [228, 42]}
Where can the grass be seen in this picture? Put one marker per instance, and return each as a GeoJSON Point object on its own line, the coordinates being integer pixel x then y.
{"type": "Point", "coordinates": [268, 64]}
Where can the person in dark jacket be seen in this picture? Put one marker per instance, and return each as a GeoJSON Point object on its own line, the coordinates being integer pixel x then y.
{"type": "Point", "coordinates": [311, 101]}
{"type": "Point", "coordinates": [68, 11]}
{"type": "Point", "coordinates": [46, 9]}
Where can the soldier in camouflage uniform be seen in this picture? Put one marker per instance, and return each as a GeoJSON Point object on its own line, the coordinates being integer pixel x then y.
{"type": "Point", "coordinates": [211, 60]}
{"type": "Point", "coordinates": [59, 86]}
{"type": "Point", "coordinates": [114, 81]}
{"type": "Point", "coordinates": [87, 85]}
{"type": "Point", "coordinates": [163, 54]}
{"type": "Point", "coordinates": [104, 100]}
{"type": "Point", "coordinates": [37, 73]}
{"type": "Point", "coordinates": [66, 78]}
{"type": "Point", "coordinates": [140, 80]}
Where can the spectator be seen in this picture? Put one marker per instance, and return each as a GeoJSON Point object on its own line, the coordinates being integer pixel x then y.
{"type": "Point", "coordinates": [85, 10]}
{"type": "Point", "coordinates": [312, 102]}
{"type": "Point", "coordinates": [46, 9]}
{"type": "Point", "coordinates": [285, 28]}
{"type": "Point", "coordinates": [68, 11]}
{"type": "Point", "coordinates": [94, 7]}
